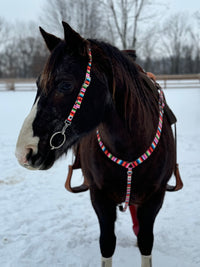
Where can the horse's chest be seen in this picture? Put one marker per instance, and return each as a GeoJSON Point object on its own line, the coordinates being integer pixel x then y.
{"type": "Point", "coordinates": [110, 177]}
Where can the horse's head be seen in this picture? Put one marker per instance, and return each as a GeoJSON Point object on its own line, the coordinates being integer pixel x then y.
{"type": "Point", "coordinates": [47, 131]}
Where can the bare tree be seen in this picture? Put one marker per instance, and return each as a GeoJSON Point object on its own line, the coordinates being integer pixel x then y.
{"type": "Point", "coordinates": [175, 36]}
{"type": "Point", "coordinates": [125, 16]}
{"type": "Point", "coordinates": [138, 7]}
{"type": "Point", "coordinates": [1, 24]}
{"type": "Point", "coordinates": [4, 32]}
{"type": "Point", "coordinates": [116, 21]}
{"type": "Point", "coordinates": [88, 20]}
{"type": "Point", "coordinates": [148, 44]}
{"type": "Point", "coordinates": [23, 54]}
{"type": "Point", "coordinates": [196, 42]}
{"type": "Point", "coordinates": [83, 15]}
{"type": "Point", "coordinates": [55, 11]}
{"type": "Point", "coordinates": [197, 16]}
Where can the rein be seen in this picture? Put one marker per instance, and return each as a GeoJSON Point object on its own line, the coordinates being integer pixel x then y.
{"type": "Point", "coordinates": [76, 106]}
{"type": "Point", "coordinates": [131, 165]}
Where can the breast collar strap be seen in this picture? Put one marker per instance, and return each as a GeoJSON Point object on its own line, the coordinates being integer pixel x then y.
{"type": "Point", "coordinates": [131, 165]}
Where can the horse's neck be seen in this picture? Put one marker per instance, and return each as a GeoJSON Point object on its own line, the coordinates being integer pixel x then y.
{"type": "Point", "coordinates": [125, 143]}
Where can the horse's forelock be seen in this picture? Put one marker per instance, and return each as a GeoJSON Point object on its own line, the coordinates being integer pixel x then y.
{"type": "Point", "coordinates": [48, 74]}
{"type": "Point", "coordinates": [54, 61]}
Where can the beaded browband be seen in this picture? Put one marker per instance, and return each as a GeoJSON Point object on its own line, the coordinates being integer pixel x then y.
{"type": "Point", "coordinates": [131, 165]}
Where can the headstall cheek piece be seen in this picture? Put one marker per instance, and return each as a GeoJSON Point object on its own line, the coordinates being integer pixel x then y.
{"type": "Point", "coordinates": [76, 106]}
{"type": "Point", "coordinates": [131, 165]}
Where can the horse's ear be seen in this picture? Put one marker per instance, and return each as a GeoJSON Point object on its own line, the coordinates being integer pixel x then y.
{"type": "Point", "coordinates": [50, 40]}
{"type": "Point", "coordinates": [74, 41]}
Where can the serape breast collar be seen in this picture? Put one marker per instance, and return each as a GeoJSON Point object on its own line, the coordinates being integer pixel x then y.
{"type": "Point", "coordinates": [131, 165]}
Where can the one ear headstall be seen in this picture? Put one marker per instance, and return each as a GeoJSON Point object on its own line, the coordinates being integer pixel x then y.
{"type": "Point", "coordinates": [76, 106]}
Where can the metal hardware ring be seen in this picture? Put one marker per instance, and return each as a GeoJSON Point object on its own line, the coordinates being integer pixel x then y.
{"type": "Point", "coordinates": [61, 144]}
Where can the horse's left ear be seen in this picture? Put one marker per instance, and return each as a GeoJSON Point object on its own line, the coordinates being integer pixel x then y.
{"type": "Point", "coordinates": [74, 41]}
{"type": "Point", "coordinates": [50, 40]}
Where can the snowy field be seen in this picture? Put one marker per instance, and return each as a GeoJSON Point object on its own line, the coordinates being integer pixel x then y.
{"type": "Point", "coordinates": [43, 225]}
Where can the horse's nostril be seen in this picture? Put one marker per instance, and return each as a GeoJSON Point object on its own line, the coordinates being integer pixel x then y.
{"type": "Point", "coordinates": [29, 153]}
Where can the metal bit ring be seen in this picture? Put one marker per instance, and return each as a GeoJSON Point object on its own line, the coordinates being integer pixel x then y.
{"type": "Point", "coordinates": [61, 144]}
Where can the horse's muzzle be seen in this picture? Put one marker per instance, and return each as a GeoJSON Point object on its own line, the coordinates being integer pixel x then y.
{"type": "Point", "coordinates": [24, 158]}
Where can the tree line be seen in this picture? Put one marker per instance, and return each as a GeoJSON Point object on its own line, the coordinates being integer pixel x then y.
{"type": "Point", "coordinates": [164, 44]}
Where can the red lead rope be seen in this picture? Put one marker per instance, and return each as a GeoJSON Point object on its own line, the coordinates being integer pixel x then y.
{"type": "Point", "coordinates": [131, 165]}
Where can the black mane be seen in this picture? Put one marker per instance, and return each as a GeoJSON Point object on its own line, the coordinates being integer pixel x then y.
{"type": "Point", "coordinates": [127, 83]}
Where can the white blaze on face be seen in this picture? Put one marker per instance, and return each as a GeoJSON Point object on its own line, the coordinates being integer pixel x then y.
{"type": "Point", "coordinates": [26, 140]}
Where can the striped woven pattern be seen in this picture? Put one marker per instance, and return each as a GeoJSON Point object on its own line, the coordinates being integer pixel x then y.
{"type": "Point", "coordinates": [84, 86]}
{"type": "Point", "coordinates": [131, 165]}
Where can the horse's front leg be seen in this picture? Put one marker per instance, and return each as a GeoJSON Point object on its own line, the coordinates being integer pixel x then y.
{"type": "Point", "coordinates": [146, 215]}
{"type": "Point", "coordinates": [106, 213]}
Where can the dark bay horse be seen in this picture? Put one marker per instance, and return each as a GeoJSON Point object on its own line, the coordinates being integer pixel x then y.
{"type": "Point", "coordinates": [116, 99]}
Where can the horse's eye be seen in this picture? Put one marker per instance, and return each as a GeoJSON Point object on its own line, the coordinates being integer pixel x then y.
{"type": "Point", "coordinates": [65, 87]}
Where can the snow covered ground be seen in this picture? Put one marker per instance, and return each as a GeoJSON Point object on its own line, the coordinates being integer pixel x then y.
{"type": "Point", "coordinates": [42, 225]}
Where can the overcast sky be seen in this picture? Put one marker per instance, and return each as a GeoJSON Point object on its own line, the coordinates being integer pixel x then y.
{"type": "Point", "coordinates": [26, 10]}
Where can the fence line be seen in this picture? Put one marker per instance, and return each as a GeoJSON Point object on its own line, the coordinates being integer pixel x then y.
{"type": "Point", "coordinates": [179, 81]}
{"type": "Point", "coordinates": [17, 84]}
{"type": "Point", "coordinates": [166, 81]}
